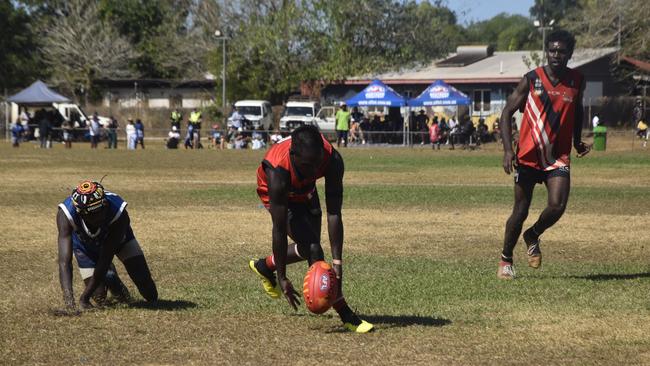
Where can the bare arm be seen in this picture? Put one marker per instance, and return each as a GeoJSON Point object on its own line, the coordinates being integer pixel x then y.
{"type": "Point", "coordinates": [515, 101]}
{"type": "Point", "coordinates": [65, 257]}
{"type": "Point", "coordinates": [108, 248]}
{"type": "Point", "coordinates": [279, 182]}
{"type": "Point", "coordinates": [581, 148]}
{"type": "Point", "coordinates": [334, 203]}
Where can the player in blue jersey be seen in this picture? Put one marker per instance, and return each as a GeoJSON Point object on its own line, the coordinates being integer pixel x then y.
{"type": "Point", "coordinates": [94, 225]}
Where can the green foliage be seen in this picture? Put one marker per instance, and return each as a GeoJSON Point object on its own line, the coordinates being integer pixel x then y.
{"type": "Point", "coordinates": [505, 32]}
{"type": "Point", "coordinates": [19, 57]}
{"type": "Point", "coordinates": [547, 10]}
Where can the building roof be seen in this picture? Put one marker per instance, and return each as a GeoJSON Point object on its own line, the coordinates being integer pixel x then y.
{"type": "Point", "coordinates": [500, 67]}
{"type": "Point", "coordinates": [641, 65]}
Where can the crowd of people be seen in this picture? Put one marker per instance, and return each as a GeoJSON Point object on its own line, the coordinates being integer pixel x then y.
{"type": "Point", "coordinates": [351, 128]}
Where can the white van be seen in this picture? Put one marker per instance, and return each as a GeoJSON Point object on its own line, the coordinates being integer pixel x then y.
{"type": "Point", "coordinates": [257, 112]}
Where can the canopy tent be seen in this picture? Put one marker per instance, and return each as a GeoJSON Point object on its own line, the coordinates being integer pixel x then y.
{"type": "Point", "coordinates": [440, 93]}
{"type": "Point", "coordinates": [377, 94]}
{"type": "Point", "coordinates": [37, 93]}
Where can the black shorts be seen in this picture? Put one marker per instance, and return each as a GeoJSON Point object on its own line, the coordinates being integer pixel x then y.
{"type": "Point", "coordinates": [527, 175]}
{"type": "Point", "coordinates": [305, 222]}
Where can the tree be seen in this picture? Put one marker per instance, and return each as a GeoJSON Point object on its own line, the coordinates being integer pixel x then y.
{"type": "Point", "coordinates": [506, 32]}
{"type": "Point", "coordinates": [547, 10]}
{"type": "Point", "coordinates": [20, 61]}
{"type": "Point", "coordinates": [605, 23]}
{"type": "Point", "coordinates": [79, 47]}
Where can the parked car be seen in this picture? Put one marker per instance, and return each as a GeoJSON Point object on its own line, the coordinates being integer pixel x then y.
{"type": "Point", "coordinates": [256, 112]}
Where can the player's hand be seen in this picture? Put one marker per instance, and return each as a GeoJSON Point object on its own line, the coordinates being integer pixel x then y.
{"type": "Point", "coordinates": [290, 293]}
{"type": "Point", "coordinates": [338, 269]}
{"type": "Point", "coordinates": [508, 161]}
{"type": "Point", "coordinates": [582, 149]}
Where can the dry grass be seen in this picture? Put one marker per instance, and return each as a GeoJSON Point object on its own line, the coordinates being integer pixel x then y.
{"type": "Point", "coordinates": [422, 269]}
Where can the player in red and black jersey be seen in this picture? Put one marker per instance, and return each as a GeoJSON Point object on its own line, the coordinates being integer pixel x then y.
{"type": "Point", "coordinates": [550, 98]}
{"type": "Point", "coordinates": [286, 184]}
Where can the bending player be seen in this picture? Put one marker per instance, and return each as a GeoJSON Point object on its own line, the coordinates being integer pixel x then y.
{"type": "Point", "coordinates": [286, 184]}
{"type": "Point", "coordinates": [551, 99]}
{"type": "Point", "coordinates": [94, 224]}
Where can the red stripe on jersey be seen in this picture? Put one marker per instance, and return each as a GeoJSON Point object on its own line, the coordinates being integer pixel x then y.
{"type": "Point", "coordinates": [546, 130]}
{"type": "Point", "coordinates": [278, 158]}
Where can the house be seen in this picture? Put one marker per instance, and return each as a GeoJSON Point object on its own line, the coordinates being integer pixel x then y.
{"type": "Point", "coordinates": [487, 77]}
{"type": "Point", "coordinates": [156, 93]}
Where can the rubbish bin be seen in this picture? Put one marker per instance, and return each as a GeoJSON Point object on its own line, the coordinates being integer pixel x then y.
{"type": "Point", "coordinates": [600, 138]}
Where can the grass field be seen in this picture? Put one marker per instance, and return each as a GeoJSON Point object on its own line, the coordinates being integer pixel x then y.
{"type": "Point", "coordinates": [423, 233]}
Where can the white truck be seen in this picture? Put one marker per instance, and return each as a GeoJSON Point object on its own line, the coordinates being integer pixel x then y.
{"type": "Point", "coordinates": [306, 112]}
{"type": "Point", "coordinates": [257, 112]}
{"type": "Point", "coordinates": [69, 111]}
{"type": "Point", "coordinates": [72, 112]}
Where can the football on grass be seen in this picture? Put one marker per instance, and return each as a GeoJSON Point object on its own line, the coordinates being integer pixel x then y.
{"type": "Point", "coordinates": [320, 287]}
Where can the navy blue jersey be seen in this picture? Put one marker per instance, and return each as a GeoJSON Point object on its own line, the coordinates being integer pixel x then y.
{"type": "Point", "coordinates": [81, 234]}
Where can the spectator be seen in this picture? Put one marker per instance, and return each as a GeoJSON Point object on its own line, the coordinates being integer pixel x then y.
{"type": "Point", "coordinates": [44, 129]}
{"type": "Point", "coordinates": [482, 133]}
{"type": "Point", "coordinates": [454, 130]}
{"type": "Point", "coordinates": [240, 142]}
{"type": "Point", "coordinates": [130, 134]}
{"type": "Point", "coordinates": [467, 130]}
{"type": "Point", "coordinates": [139, 133]}
{"type": "Point", "coordinates": [443, 127]}
{"type": "Point", "coordinates": [66, 127]}
{"type": "Point", "coordinates": [496, 132]}
{"type": "Point", "coordinates": [434, 134]}
{"type": "Point", "coordinates": [217, 139]}
{"type": "Point", "coordinates": [95, 131]}
{"type": "Point", "coordinates": [195, 121]}
{"type": "Point", "coordinates": [275, 137]}
{"type": "Point", "coordinates": [356, 118]}
{"type": "Point", "coordinates": [173, 137]}
{"type": "Point", "coordinates": [176, 119]}
{"type": "Point", "coordinates": [113, 125]}
{"type": "Point", "coordinates": [595, 121]}
{"type": "Point", "coordinates": [188, 136]}
{"type": "Point", "coordinates": [364, 126]}
{"type": "Point", "coordinates": [258, 139]}
{"type": "Point", "coordinates": [642, 132]}
{"type": "Point", "coordinates": [17, 131]}
{"type": "Point", "coordinates": [422, 124]}
{"type": "Point", "coordinates": [343, 119]}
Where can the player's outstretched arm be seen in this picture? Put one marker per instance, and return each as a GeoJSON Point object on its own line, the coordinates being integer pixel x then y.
{"type": "Point", "coordinates": [65, 257]}
{"type": "Point", "coordinates": [117, 230]}
{"type": "Point", "coordinates": [516, 101]}
{"type": "Point", "coordinates": [334, 203]}
{"type": "Point", "coordinates": [279, 183]}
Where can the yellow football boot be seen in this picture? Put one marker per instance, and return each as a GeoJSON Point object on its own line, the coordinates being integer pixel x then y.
{"type": "Point", "coordinates": [273, 291]}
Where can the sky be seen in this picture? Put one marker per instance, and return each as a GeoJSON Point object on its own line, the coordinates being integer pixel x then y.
{"type": "Point", "coordinates": [477, 10]}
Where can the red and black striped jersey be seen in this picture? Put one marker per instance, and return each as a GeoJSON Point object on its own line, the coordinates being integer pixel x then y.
{"type": "Point", "coordinates": [546, 131]}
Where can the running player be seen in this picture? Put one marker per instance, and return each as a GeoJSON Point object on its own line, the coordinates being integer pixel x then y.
{"type": "Point", "coordinates": [551, 100]}
{"type": "Point", "coordinates": [286, 184]}
{"type": "Point", "coordinates": [94, 224]}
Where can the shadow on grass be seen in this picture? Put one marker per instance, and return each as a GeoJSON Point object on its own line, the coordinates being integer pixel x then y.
{"type": "Point", "coordinates": [613, 276]}
{"type": "Point", "coordinates": [167, 305]}
{"type": "Point", "coordinates": [399, 321]}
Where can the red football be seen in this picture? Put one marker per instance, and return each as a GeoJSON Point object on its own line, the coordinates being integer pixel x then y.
{"type": "Point", "coordinates": [320, 287]}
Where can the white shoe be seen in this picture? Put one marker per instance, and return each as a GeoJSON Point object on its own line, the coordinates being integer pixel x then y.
{"type": "Point", "coordinates": [506, 271]}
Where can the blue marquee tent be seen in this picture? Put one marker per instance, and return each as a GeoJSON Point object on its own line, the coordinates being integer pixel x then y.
{"type": "Point", "coordinates": [37, 93]}
{"type": "Point", "coordinates": [440, 94]}
{"type": "Point", "coordinates": [377, 94]}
